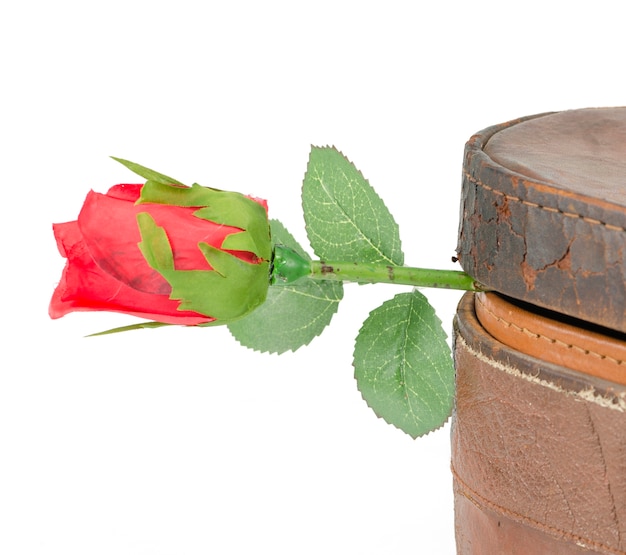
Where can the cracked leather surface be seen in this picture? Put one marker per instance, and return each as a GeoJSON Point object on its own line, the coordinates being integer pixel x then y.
{"type": "Point", "coordinates": [543, 212]}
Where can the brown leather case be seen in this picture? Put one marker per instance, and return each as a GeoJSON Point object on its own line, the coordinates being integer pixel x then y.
{"type": "Point", "coordinates": [539, 430]}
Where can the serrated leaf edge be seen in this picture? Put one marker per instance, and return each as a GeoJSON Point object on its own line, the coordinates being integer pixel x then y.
{"type": "Point", "coordinates": [443, 423]}
{"type": "Point", "coordinates": [335, 304]}
{"type": "Point", "coordinates": [306, 223]}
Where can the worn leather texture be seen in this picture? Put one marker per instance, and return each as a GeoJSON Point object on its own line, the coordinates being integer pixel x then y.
{"type": "Point", "coordinates": [553, 337]}
{"type": "Point", "coordinates": [543, 212]}
{"type": "Point", "coordinates": [538, 451]}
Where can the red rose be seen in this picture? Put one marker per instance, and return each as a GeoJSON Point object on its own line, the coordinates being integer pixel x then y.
{"type": "Point", "coordinates": [117, 263]}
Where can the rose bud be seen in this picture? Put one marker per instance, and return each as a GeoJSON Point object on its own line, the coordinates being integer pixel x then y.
{"type": "Point", "coordinates": [165, 252]}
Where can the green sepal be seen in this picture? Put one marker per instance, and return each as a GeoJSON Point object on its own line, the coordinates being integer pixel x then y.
{"type": "Point", "coordinates": [157, 192]}
{"type": "Point", "coordinates": [236, 290]}
{"type": "Point", "coordinates": [140, 326]}
{"type": "Point", "coordinates": [155, 246]}
{"type": "Point", "coordinates": [240, 211]}
{"type": "Point", "coordinates": [221, 207]}
{"type": "Point", "coordinates": [228, 292]}
{"type": "Point", "coordinates": [147, 173]}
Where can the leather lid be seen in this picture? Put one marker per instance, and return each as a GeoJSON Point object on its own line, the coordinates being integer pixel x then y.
{"type": "Point", "coordinates": [543, 213]}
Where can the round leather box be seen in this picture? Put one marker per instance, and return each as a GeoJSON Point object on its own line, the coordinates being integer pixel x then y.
{"type": "Point", "coordinates": [539, 429]}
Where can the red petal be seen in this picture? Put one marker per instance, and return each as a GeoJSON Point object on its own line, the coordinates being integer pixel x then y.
{"type": "Point", "coordinates": [125, 191]}
{"type": "Point", "coordinates": [108, 224]}
{"type": "Point", "coordinates": [84, 286]}
{"type": "Point", "coordinates": [109, 229]}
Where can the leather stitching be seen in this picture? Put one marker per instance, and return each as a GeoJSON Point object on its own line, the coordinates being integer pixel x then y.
{"type": "Point", "coordinates": [482, 502]}
{"type": "Point", "coordinates": [592, 221]}
{"type": "Point", "coordinates": [551, 340]}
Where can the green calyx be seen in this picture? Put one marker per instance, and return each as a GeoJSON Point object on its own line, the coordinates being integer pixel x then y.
{"type": "Point", "coordinates": [220, 207]}
{"type": "Point", "coordinates": [232, 289]}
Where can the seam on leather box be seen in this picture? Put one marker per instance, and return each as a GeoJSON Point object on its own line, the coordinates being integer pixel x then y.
{"type": "Point", "coordinates": [482, 502]}
{"type": "Point", "coordinates": [541, 207]}
{"type": "Point", "coordinates": [617, 403]}
{"type": "Point", "coordinates": [551, 340]}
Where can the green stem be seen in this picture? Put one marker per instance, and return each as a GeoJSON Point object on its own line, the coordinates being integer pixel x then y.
{"type": "Point", "coordinates": [398, 275]}
{"type": "Point", "coordinates": [289, 266]}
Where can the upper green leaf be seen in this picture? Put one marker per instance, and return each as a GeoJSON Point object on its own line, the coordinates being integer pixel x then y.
{"type": "Point", "coordinates": [345, 219]}
{"type": "Point", "coordinates": [293, 314]}
{"type": "Point", "coordinates": [403, 365]}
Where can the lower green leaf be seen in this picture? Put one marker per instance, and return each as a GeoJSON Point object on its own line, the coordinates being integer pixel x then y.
{"type": "Point", "coordinates": [403, 365]}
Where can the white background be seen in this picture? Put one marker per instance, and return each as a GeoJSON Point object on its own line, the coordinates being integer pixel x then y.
{"type": "Point", "coordinates": [176, 441]}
